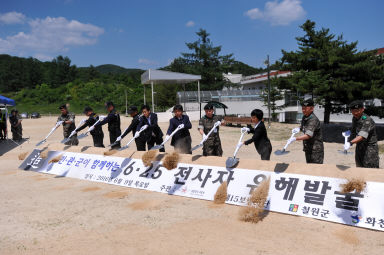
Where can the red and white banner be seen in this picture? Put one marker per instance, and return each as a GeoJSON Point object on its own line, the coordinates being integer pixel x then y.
{"type": "Point", "coordinates": [304, 195]}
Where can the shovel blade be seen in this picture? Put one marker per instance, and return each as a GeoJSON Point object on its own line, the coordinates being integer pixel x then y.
{"type": "Point", "coordinates": [231, 162]}
{"type": "Point", "coordinates": [41, 142]}
{"type": "Point", "coordinates": [123, 148]}
{"type": "Point", "coordinates": [82, 136]}
{"type": "Point", "coordinates": [344, 152]}
{"type": "Point", "coordinates": [196, 147]}
{"type": "Point", "coordinates": [65, 140]}
{"type": "Point", "coordinates": [157, 147]}
{"type": "Point", "coordinates": [281, 152]}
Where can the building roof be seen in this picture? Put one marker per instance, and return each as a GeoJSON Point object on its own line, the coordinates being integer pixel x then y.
{"type": "Point", "coordinates": [166, 77]}
{"type": "Point", "coordinates": [380, 51]}
{"type": "Point", "coordinates": [264, 76]}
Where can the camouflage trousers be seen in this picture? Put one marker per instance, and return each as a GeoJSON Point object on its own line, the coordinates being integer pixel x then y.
{"type": "Point", "coordinates": [367, 156]}
{"type": "Point", "coordinates": [212, 148]}
{"type": "Point", "coordinates": [314, 157]}
{"type": "Point", "coordinates": [72, 141]}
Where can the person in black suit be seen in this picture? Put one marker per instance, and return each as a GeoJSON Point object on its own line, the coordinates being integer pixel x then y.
{"type": "Point", "coordinates": [181, 140]}
{"type": "Point", "coordinates": [152, 134]}
{"type": "Point", "coordinates": [260, 139]}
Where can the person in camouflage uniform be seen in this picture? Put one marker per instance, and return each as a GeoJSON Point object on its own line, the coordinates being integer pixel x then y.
{"type": "Point", "coordinates": [97, 133]}
{"type": "Point", "coordinates": [313, 137]}
{"type": "Point", "coordinates": [363, 134]}
{"type": "Point", "coordinates": [211, 147]}
{"type": "Point", "coordinates": [68, 124]}
{"type": "Point", "coordinates": [16, 127]}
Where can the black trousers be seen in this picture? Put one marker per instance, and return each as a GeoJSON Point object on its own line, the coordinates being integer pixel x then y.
{"type": "Point", "coordinates": [183, 145]}
{"type": "Point", "coordinates": [98, 140]}
{"type": "Point", "coordinates": [141, 143]}
{"type": "Point", "coordinates": [112, 138]}
{"type": "Point", "coordinates": [3, 130]}
{"type": "Point", "coordinates": [265, 152]}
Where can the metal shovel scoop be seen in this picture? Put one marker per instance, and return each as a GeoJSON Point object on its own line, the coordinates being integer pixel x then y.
{"type": "Point", "coordinates": [346, 135]}
{"type": "Point", "coordinates": [181, 126]}
{"type": "Point", "coordinates": [50, 133]}
{"type": "Point", "coordinates": [283, 151]}
{"type": "Point", "coordinates": [206, 137]}
{"type": "Point", "coordinates": [232, 161]}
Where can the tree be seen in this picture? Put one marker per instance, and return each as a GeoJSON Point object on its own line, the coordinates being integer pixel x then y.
{"type": "Point", "coordinates": [204, 59]}
{"type": "Point", "coordinates": [330, 69]}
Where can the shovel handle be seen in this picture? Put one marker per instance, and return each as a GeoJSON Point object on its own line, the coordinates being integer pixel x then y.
{"type": "Point", "coordinates": [217, 123]}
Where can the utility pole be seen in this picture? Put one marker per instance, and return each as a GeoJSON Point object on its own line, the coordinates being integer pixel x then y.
{"type": "Point", "coordinates": [269, 94]}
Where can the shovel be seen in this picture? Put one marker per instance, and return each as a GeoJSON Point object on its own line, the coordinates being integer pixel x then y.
{"type": "Point", "coordinates": [73, 132]}
{"type": "Point", "coordinates": [137, 134]}
{"type": "Point", "coordinates": [90, 129]}
{"type": "Point", "coordinates": [346, 135]}
{"type": "Point", "coordinates": [232, 161]}
{"type": "Point", "coordinates": [283, 151]}
{"type": "Point", "coordinates": [50, 133]}
{"type": "Point", "coordinates": [181, 126]}
{"type": "Point", "coordinates": [206, 137]}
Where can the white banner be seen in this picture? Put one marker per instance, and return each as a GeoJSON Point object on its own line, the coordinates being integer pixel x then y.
{"type": "Point", "coordinates": [304, 195]}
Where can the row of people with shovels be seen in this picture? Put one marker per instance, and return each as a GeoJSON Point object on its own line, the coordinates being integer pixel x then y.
{"type": "Point", "coordinates": [147, 133]}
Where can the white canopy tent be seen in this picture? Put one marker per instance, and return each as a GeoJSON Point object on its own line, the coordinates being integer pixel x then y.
{"type": "Point", "coordinates": [165, 77]}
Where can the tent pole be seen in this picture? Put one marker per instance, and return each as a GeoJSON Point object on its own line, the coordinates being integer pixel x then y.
{"type": "Point", "coordinates": [153, 105]}
{"type": "Point", "coordinates": [198, 96]}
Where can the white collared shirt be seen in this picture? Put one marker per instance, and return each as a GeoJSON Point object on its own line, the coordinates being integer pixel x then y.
{"type": "Point", "coordinates": [257, 124]}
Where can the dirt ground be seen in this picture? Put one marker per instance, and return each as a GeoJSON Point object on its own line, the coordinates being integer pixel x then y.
{"type": "Point", "coordinates": [45, 214]}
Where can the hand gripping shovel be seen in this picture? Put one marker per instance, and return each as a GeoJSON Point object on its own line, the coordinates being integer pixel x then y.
{"type": "Point", "coordinates": [137, 134]}
{"type": "Point", "coordinates": [73, 132]}
{"type": "Point", "coordinates": [206, 137]}
{"type": "Point", "coordinates": [90, 129]}
{"type": "Point", "coordinates": [232, 161]}
{"type": "Point", "coordinates": [181, 126]}
{"type": "Point", "coordinates": [283, 151]}
{"type": "Point", "coordinates": [346, 135]}
{"type": "Point", "coordinates": [50, 133]}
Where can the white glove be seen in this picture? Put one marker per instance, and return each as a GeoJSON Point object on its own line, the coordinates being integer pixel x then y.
{"type": "Point", "coordinates": [291, 140]}
{"type": "Point", "coordinates": [118, 139]}
{"type": "Point", "coordinates": [240, 144]}
{"type": "Point", "coordinates": [347, 146]}
{"type": "Point", "coordinates": [91, 128]}
{"type": "Point", "coordinates": [244, 129]}
{"type": "Point", "coordinates": [205, 137]}
{"type": "Point", "coordinates": [167, 137]}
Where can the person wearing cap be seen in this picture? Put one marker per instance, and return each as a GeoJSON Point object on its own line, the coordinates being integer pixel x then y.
{"type": "Point", "coordinates": [260, 138]}
{"type": "Point", "coordinates": [113, 120]}
{"type": "Point", "coordinates": [363, 134]}
{"type": "Point", "coordinates": [97, 133]}
{"type": "Point", "coordinates": [312, 137]}
{"type": "Point", "coordinates": [181, 140]}
{"type": "Point", "coordinates": [68, 119]}
{"type": "Point", "coordinates": [16, 127]}
{"type": "Point", "coordinates": [212, 146]}
{"type": "Point", "coordinates": [3, 125]}
{"type": "Point", "coordinates": [134, 113]}
{"type": "Point", "coordinates": [153, 134]}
